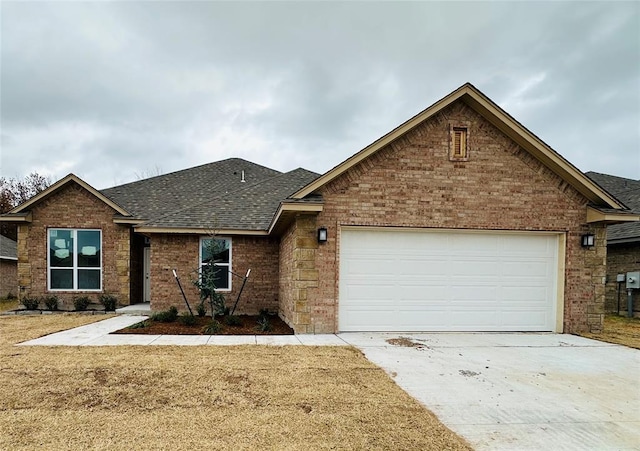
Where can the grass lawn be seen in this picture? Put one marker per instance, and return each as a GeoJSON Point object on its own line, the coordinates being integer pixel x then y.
{"type": "Point", "coordinates": [619, 330]}
{"type": "Point", "coordinates": [8, 304]}
{"type": "Point", "coordinates": [201, 397]}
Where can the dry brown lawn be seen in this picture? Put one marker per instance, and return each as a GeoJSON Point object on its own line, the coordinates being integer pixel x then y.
{"type": "Point", "coordinates": [619, 330]}
{"type": "Point", "coordinates": [8, 304]}
{"type": "Point", "coordinates": [241, 397]}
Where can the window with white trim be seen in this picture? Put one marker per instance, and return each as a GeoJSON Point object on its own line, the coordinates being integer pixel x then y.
{"type": "Point", "coordinates": [74, 260]}
{"type": "Point", "coordinates": [215, 256]}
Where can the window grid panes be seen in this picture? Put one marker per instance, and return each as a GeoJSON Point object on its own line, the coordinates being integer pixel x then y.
{"type": "Point", "coordinates": [215, 256]}
{"type": "Point", "coordinates": [75, 260]}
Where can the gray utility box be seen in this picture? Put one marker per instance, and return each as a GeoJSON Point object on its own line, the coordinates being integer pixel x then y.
{"type": "Point", "coordinates": [633, 280]}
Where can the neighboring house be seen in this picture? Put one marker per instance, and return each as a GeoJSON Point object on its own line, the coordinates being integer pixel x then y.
{"type": "Point", "coordinates": [458, 219]}
{"type": "Point", "coordinates": [623, 242]}
{"type": "Point", "coordinates": [8, 267]}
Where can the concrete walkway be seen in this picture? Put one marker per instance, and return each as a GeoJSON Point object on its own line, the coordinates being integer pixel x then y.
{"type": "Point", "coordinates": [511, 391]}
{"type": "Point", "coordinates": [97, 334]}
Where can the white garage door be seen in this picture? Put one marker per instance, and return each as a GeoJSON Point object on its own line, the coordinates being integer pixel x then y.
{"type": "Point", "coordinates": [394, 280]}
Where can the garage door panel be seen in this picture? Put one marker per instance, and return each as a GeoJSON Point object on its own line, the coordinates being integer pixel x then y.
{"type": "Point", "coordinates": [407, 293]}
{"type": "Point", "coordinates": [472, 293]}
{"type": "Point", "coordinates": [524, 293]}
{"type": "Point", "coordinates": [420, 266]}
{"type": "Point", "coordinates": [420, 281]}
{"type": "Point", "coordinates": [470, 267]}
{"type": "Point", "coordinates": [370, 294]}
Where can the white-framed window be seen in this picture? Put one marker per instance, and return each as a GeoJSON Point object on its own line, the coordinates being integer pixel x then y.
{"type": "Point", "coordinates": [74, 261]}
{"type": "Point", "coordinates": [215, 256]}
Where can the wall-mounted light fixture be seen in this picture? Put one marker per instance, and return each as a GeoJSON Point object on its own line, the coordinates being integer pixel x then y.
{"type": "Point", "coordinates": [322, 235]}
{"type": "Point", "coordinates": [588, 240]}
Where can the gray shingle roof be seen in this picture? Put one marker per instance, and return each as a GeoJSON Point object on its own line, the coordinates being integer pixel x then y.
{"type": "Point", "coordinates": [211, 196]}
{"type": "Point", "coordinates": [251, 207]}
{"type": "Point", "coordinates": [628, 192]}
{"type": "Point", "coordinates": [8, 248]}
{"type": "Point", "coordinates": [163, 194]}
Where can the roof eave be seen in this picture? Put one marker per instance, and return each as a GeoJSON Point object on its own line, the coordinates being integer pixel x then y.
{"type": "Point", "coordinates": [117, 219]}
{"type": "Point", "coordinates": [198, 231]}
{"type": "Point", "coordinates": [627, 240]}
{"type": "Point", "coordinates": [24, 216]}
{"type": "Point", "coordinates": [596, 216]}
{"type": "Point", "coordinates": [287, 210]}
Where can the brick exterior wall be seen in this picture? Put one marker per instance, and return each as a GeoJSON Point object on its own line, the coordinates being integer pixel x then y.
{"type": "Point", "coordinates": [8, 277]}
{"type": "Point", "coordinates": [181, 252]}
{"type": "Point", "coordinates": [621, 259]}
{"type": "Point", "coordinates": [412, 183]}
{"type": "Point", "coordinates": [73, 207]}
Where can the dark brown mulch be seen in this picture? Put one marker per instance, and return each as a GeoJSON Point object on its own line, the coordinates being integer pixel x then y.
{"type": "Point", "coordinates": [248, 326]}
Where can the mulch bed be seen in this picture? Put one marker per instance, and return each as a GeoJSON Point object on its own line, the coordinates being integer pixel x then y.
{"type": "Point", "coordinates": [248, 326]}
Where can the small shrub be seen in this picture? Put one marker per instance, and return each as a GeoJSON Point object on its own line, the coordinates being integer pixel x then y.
{"type": "Point", "coordinates": [11, 296]}
{"type": "Point", "coordinates": [109, 302]}
{"type": "Point", "coordinates": [202, 309]}
{"type": "Point", "coordinates": [233, 321]}
{"type": "Point", "coordinates": [167, 316]}
{"type": "Point", "coordinates": [30, 303]}
{"type": "Point", "coordinates": [187, 319]}
{"type": "Point", "coordinates": [217, 302]}
{"type": "Point", "coordinates": [140, 325]}
{"type": "Point", "coordinates": [212, 328]}
{"type": "Point", "coordinates": [264, 325]}
{"type": "Point", "coordinates": [51, 302]}
{"type": "Point", "coordinates": [81, 303]}
{"type": "Point", "coordinates": [265, 312]}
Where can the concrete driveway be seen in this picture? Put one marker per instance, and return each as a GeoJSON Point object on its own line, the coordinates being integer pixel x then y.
{"type": "Point", "coordinates": [518, 391]}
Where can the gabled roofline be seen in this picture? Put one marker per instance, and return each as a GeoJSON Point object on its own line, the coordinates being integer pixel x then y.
{"type": "Point", "coordinates": [498, 117]}
{"type": "Point", "coordinates": [63, 182]}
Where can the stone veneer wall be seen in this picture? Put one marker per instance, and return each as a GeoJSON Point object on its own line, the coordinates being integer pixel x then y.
{"type": "Point", "coordinates": [73, 207]}
{"type": "Point", "coordinates": [412, 183]}
{"type": "Point", "coordinates": [181, 252]}
{"type": "Point", "coordinates": [621, 259]}
{"type": "Point", "coordinates": [298, 273]}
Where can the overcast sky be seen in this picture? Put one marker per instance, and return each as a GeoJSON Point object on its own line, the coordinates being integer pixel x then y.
{"type": "Point", "coordinates": [113, 91]}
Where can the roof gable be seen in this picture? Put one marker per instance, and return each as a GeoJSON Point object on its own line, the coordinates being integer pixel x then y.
{"type": "Point", "coordinates": [71, 178]}
{"type": "Point", "coordinates": [499, 118]}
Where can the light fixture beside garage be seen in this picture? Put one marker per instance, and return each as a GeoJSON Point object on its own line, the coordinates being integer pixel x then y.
{"type": "Point", "coordinates": [588, 240]}
{"type": "Point", "coordinates": [322, 235]}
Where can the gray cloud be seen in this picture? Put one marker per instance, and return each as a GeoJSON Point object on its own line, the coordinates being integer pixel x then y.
{"type": "Point", "coordinates": [113, 90]}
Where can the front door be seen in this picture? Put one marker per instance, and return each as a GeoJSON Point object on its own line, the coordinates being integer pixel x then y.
{"type": "Point", "coordinates": [146, 270]}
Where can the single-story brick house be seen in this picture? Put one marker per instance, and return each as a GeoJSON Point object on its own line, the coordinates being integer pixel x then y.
{"type": "Point", "coordinates": [623, 242]}
{"type": "Point", "coordinates": [458, 219]}
{"type": "Point", "coordinates": [8, 267]}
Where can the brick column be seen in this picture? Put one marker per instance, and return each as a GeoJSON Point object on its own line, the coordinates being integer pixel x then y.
{"type": "Point", "coordinates": [304, 274]}
{"type": "Point", "coordinates": [595, 262]}
{"type": "Point", "coordinates": [24, 266]}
